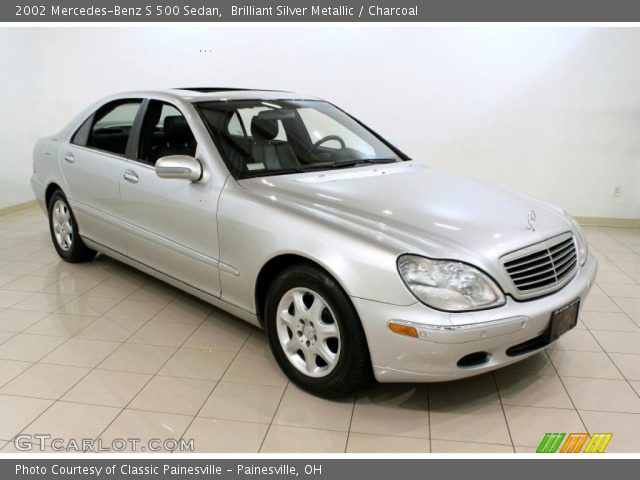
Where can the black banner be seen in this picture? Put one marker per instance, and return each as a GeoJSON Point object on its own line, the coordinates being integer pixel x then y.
{"type": "Point", "coordinates": [316, 469]}
{"type": "Point", "coordinates": [217, 11]}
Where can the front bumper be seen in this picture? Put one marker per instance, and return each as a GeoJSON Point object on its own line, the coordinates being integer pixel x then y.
{"type": "Point", "coordinates": [445, 338]}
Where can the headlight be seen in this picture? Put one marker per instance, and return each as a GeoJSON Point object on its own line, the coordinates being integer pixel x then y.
{"type": "Point", "coordinates": [581, 241]}
{"type": "Point", "coordinates": [449, 285]}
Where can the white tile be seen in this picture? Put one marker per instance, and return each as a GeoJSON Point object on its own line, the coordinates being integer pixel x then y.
{"type": "Point", "coordinates": [183, 396]}
{"type": "Point", "coordinates": [579, 340]}
{"type": "Point", "coordinates": [226, 436]}
{"type": "Point", "coordinates": [8, 298]}
{"type": "Point", "coordinates": [111, 329]}
{"type": "Point", "coordinates": [624, 426]}
{"type": "Point", "coordinates": [629, 364]}
{"type": "Point", "coordinates": [584, 364]}
{"type": "Point", "coordinates": [243, 402]}
{"type": "Point", "coordinates": [197, 363]}
{"type": "Point", "coordinates": [145, 426]}
{"type": "Point", "coordinates": [482, 422]}
{"type": "Point", "coordinates": [221, 333]}
{"type": "Point", "coordinates": [9, 369]}
{"type": "Point", "coordinates": [301, 409]}
{"type": "Point", "coordinates": [131, 309]}
{"type": "Point", "coordinates": [396, 410]}
{"type": "Point", "coordinates": [73, 421]}
{"type": "Point", "coordinates": [532, 391]}
{"type": "Point", "coordinates": [602, 394]}
{"type": "Point", "coordinates": [44, 381]}
{"type": "Point", "coordinates": [186, 311]}
{"type": "Point", "coordinates": [137, 358]}
{"type": "Point", "coordinates": [478, 389]}
{"type": "Point", "coordinates": [619, 342]}
{"type": "Point", "coordinates": [19, 320]}
{"type": "Point", "coordinates": [157, 333]}
{"type": "Point", "coordinates": [528, 425]}
{"type": "Point", "coordinates": [60, 325]}
{"type": "Point", "coordinates": [282, 439]}
{"type": "Point", "coordinates": [29, 283]}
{"type": "Point", "coordinates": [29, 348]}
{"type": "Point", "coordinates": [608, 321]}
{"type": "Point", "coordinates": [94, 306]}
{"type": "Point", "coordinates": [448, 446]}
{"type": "Point", "coordinates": [81, 353]}
{"type": "Point", "coordinates": [365, 443]}
{"type": "Point", "coordinates": [116, 287]}
{"type": "Point", "coordinates": [44, 302]}
{"type": "Point", "coordinates": [18, 412]}
{"type": "Point", "coordinates": [105, 387]}
{"type": "Point", "coordinates": [627, 305]}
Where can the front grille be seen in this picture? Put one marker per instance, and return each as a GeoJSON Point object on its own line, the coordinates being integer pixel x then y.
{"type": "Point", "coordinates": [542, 266]}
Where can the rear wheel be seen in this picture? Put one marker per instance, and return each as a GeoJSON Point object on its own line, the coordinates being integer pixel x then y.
{"type": "Point", "coordinates": [64, 231]}
{"type": "Point", "coordinates": [315, 333]}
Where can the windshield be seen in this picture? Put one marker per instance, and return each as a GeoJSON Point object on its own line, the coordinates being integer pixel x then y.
{"type": "Point", "coordinates": [275, 137]}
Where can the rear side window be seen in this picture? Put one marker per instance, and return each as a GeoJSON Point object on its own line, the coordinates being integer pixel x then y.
{"type": "Point", "coordinates": [109, 128]}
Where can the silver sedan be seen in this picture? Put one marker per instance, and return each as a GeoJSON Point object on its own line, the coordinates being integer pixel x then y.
{"type": "Point", "coordinates": [289, 213]}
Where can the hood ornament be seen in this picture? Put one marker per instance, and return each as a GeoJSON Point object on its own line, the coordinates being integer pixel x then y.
{"type": "Point", "coordinates": [531, 220]}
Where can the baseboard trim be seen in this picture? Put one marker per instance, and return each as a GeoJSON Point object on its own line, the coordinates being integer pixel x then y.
{"type": "Point", "coordinates": [609, 222]}
{"type": "Point", "coordinates": [18, 207]}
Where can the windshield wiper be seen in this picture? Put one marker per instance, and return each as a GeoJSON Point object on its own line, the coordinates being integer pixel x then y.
{"type": "Point", "coordinates": [348, 163]}
{"type": "Point", "coordinates": [362, 161]}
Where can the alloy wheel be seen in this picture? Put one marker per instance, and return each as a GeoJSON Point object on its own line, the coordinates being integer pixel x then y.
{"type": "Point", "coordinates": [308, 332]}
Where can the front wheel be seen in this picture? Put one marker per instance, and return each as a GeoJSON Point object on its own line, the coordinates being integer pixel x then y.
{"type": "Point", "coordinates": [64, 231]}
{"type": "Point", "coordinates": [315, 333]}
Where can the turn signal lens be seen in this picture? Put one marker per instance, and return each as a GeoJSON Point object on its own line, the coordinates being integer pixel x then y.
{"type": "Point", "coordinates": [405, 330]}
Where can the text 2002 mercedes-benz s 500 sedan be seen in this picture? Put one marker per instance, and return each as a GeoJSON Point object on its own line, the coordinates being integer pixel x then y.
{"type": "Point", "coordinates": [292, 215]}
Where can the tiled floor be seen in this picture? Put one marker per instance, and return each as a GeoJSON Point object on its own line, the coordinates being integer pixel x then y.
{"type": "Point", "coordinates": [99, 350]}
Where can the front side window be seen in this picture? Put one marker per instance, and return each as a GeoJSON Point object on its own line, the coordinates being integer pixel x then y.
{"type": "Point", "coordinates": [165, 132]}
{"type": "Point", "coordinates": [111, 127]}
{"type": "Point", "coordinates": [257, 137]}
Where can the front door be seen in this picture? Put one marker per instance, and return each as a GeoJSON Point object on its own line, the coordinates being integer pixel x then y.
{"type": "Point", "coordinates": [171, 223]}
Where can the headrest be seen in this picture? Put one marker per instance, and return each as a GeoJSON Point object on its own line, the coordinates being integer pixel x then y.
{"type": "Point", "coordinates": [176, 129]}
{"type": "Point", "coordinates": [264, 128]}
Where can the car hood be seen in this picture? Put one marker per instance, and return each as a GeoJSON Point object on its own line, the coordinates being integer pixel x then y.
{"type": "Point", "coordinates": [418, 208]}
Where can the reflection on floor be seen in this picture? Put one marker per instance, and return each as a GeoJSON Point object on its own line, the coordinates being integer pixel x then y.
{"type": "Point", "coordinates": [99, 350]}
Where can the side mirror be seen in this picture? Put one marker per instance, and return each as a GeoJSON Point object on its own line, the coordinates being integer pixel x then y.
{"type": "Point", "coordinates": [179, 166]}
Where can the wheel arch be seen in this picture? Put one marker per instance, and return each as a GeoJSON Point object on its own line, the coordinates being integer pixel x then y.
{"type": "Point", "coordinates": [51, 189]}
{"type": "Point", "coordinates": [272, 268]}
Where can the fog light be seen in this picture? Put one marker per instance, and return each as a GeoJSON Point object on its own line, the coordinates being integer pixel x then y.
{"type": "Point", "coordinates": [401, 329]}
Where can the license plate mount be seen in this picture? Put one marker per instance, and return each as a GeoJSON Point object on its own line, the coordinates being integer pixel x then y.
{"type": "Point", "coordinates": [563, 320]}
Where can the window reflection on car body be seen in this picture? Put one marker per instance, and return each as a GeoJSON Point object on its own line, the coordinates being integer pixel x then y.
{"type": "Point", "coordinates": [320, 166]}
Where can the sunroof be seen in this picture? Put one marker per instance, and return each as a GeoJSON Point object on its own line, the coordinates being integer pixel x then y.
{"type": "Point", "coordinates": [213, 89]}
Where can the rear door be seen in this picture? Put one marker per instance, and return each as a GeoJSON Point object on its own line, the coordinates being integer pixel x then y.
{"type": "Point", "coordinates": [92, 164]}
{"type": "Point", "coordinates": [171, 223]}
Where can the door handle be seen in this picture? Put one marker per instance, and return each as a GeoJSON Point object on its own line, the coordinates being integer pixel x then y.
{"type": "Point", "coordinates": [130, 176]}
{"type": "Point", "coordinates": [69, 157]}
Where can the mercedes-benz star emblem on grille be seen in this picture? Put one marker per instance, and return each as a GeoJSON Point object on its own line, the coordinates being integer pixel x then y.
{"type": "Point", "coordinates": [531, 220]}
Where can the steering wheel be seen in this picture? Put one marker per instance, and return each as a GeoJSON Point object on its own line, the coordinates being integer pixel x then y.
{"type": "Point", "coordinates": [326, 139]}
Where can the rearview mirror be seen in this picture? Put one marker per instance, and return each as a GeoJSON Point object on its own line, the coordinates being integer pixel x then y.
{"type": "Point", "coordinates": [179, 166]}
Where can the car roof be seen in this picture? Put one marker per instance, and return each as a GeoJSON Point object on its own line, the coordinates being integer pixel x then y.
{"type": "Point", "coordinates": [203, 94]}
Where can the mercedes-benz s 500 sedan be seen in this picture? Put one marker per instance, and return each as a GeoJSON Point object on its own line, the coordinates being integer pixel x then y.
{"type": "Point", "coordinates": [291, 214]}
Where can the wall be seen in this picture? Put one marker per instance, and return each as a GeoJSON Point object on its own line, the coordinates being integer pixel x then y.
{"type": "Point", "coordinates": [551, 112]}
{"type": "Point", "coordinates": [21, 124]}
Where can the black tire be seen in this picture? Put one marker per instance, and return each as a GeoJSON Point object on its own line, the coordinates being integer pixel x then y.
{"type": "Point", "coordinates": [352, 369]}
{"type": "Point", "coordinates": [74, 250]}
